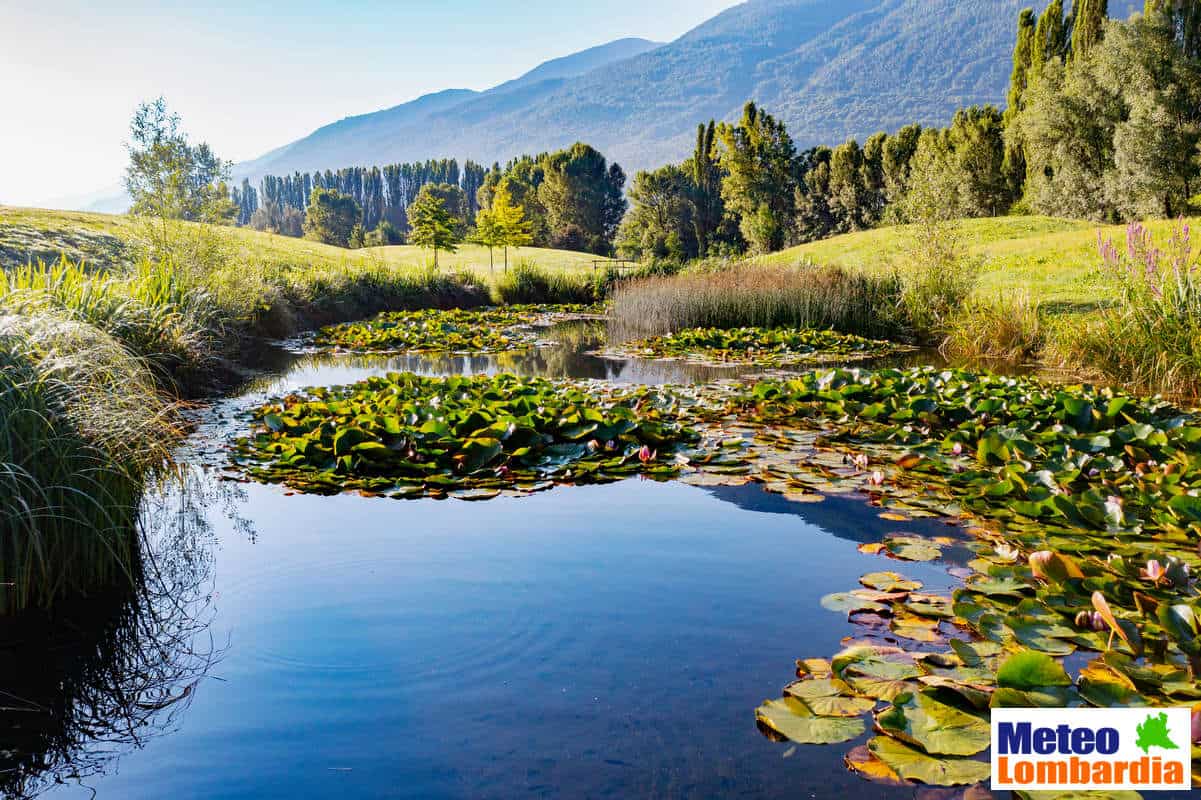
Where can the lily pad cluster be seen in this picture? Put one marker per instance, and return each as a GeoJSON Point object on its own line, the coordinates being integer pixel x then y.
{"type": "Point", "coordinates": [403, 435]}
{"type": "Point", "coordinates": [1089, 539]}
{"type": "Point", "coordinates": [766, 347]}
{"type": "Point", "coordinates": [486, 330]}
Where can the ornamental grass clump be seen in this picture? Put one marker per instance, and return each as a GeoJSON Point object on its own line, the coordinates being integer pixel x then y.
{"type": "Point", "coordinates": [82, 424]}
{"type": "Point", "coordinates": [1150, 339]}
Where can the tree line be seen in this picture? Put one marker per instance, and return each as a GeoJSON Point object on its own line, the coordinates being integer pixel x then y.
{"type": "Point", "coordinates": [570, 199]}
{"type": "Point", "coordinates": [1103, 121]}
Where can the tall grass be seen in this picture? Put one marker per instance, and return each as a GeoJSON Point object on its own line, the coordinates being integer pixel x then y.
{"type": "Point", "coordinates": [1151, 338]}
{"type": "Point", "coordinates": [83, 423]}
{"type": "Point", "coordinates": [527, 283]}
{"type": "Point", "coordinates": [1008, 328]}
{"type": "Point", "coordinates": [802, 296]}
{"type": "Point", "coordinates": [154, 310]}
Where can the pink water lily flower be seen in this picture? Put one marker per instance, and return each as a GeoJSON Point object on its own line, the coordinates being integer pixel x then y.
{"type": "Point", "coordinates": [1154, 571]}
{"type": "Point", "coordinates": [957, 449]}
{"type": "Point", "coordinates": [1039, 562]}
{"type": "Point", "coordinates": [593, 445]}
{"type": "Point", "coordinates": [1197, 725]}
{"type": "Point", "coordinates": [646, 454]}
{"type": "Point", "coordinates": [1090, 620]}
{"type": "Point", "coordinates": [876, 479]}
{"type": "Point", "coordinates": [860, 460]}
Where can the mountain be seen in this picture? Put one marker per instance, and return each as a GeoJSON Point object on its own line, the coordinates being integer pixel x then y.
{"type": "Point", "coordinates": [830, 68]}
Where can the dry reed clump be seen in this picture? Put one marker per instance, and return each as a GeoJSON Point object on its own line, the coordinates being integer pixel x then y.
{"type": "Point", "coordinates": [1007, 328]}
{"type": "Point", "coordinates": [750, 296]}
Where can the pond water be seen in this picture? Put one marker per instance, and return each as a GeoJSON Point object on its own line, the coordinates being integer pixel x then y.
{"type": "Point", "coordinates": [605, 641]}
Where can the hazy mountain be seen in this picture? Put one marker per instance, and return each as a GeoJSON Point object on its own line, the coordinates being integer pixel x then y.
{"type": "Point", "coordinates": [830, 68]}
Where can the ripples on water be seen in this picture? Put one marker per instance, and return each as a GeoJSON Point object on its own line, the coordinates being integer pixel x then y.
{"type": "Point", "coordinates": [606, 641]}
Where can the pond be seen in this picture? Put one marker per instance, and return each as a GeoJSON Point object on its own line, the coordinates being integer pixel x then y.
{"type": "Point", "coordinates": [599, 641]}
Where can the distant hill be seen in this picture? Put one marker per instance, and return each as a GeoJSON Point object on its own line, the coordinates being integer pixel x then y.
{"type": "Point", "coordinates": [830, 69]}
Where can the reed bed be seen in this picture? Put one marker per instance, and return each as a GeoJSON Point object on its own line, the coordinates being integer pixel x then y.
{"type": "Point", "coordinates": [802, 296]}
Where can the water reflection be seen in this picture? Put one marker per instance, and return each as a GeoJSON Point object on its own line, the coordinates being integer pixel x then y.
{"type": "Point", "coordinates": [100, 673]}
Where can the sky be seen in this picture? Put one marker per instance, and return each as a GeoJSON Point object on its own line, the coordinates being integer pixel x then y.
{"type": "Point", "coordinates": [247, 77]}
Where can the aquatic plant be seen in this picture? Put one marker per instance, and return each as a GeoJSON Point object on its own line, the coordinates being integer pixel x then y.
{"type": "Point", "coordinates": [758, 346]}
{"type": "Point", "coordinates": [405, 436]}
{"type": "Point", "coordinates": [486, 330]}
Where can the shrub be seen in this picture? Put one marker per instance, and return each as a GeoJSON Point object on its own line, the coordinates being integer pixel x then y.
{"type": "Point", "coordinates": [748, 296]}
{"type": "Point", "coordinates": [1151, 338]}
{"type": "Point", "coordinates": [1007, 328]}
{"type": "Point", "coordinates": [526, 283]}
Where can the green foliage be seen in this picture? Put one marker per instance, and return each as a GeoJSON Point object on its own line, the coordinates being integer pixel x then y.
{"type": "Point", "coordinates": [758, 346]}
{"type": "Point", "coordinates": [1009, 328]}
{"type": "Point", "coordinates": [758, 157]}
{"type": "Point", "coordinates": [170, 178]}
{"type": "Point", "coordinates": [489, 330]}
{"type": "Point", "coordinates": [1150, 338]}
{"type": "Point", "coordinates": [433, 226]}
{"type": "Point", "coordinates": [527, 284]}
{"type": "Point", "coordinates": [331, 218]}
{"type": "Point", "coordinates": [409, 436]}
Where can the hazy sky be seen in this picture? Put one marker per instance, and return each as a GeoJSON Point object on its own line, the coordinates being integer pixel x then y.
{"type": "Point", "coordinates": [249, 76]}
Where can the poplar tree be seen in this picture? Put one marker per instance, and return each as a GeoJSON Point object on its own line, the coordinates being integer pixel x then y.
{"type": "Point", "coordinates": [1019, 82]}
{"type": "Point", "coordinates": [1183, 18]}
{"type": "Point", "coordinates": [706, 184]}
{"type": "Point", "coordinates": [1088, 25]}
{"type": "Point", "coordinates": [1050, 37]}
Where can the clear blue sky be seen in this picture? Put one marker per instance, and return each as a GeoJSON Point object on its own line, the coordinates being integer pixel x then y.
{"type": "Point", "coordinates": [250, 76]}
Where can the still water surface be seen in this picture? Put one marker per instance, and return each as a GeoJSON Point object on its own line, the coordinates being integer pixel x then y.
{"type": "Point", "coordinates": [608, 641]}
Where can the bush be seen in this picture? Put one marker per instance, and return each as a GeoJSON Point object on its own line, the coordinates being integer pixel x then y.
{"type": "Point", "coordinates": [526, 283]}
{"type": "Point", "coordinates": [748, 296]}
{"type": "Point", "coordinates": [1151, 338]}
{"type": "Point", "coordinates": [1008, 328]}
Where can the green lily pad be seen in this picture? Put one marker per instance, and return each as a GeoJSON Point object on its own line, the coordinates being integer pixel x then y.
{"type": "Point", "coordinates": [792, 719]}
{"type": "Point", "coordinates": [889, 582]}
{"type": "Point", "coordinates": [827, 697]}
{"type": "Point", "coordinates": [937, 727]}
{"type": "Point", "coordinates": [1031, 670]}
{"type": "Point", "coordinates": [914, 765]}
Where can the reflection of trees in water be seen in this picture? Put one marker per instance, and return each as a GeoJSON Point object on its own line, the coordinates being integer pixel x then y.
{"type": "Point", "coordinates": [98, 675]}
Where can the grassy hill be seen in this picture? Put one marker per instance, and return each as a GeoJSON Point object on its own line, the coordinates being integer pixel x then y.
{"type": "Point", "coordinates": [29, 234]}
{"type": "Point", "coordinates": [1055, 260]}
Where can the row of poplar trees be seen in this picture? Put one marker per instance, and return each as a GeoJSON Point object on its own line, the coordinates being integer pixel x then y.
{"type": "Point", "coordinates": [572, 199]}
{"type": "Point", "coordinates": [1103, 121]}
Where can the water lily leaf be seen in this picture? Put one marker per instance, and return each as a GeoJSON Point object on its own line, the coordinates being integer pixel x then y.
{"type": "Point", "coordinates": [1105, 687]}
{"type": "Point", "coordinates": [792, 719]}
{"type": "Point", "coordinates": [1031, 670]}
{"type": "Point", "coordinates": [817, 667]}
{"type": "Point", "coordinates": [936, 727]}
{"type": "Point", "coordinates": [829, 698]}
{"type": "Point", "coordinates": [1046, 697]}
{"type": "Point", "coordinates": [910, 548]}
{"type": "Point", "coordinates": [912, 764]}
{"type": "Point", "coordinates": [1041, 636]}
{"type": "Point", "coordinates": [918, 629]}
{"type": "Point", "coordinates": [973, 654]}
{"type": "Point", "coordinates": [863, 762]}
{"type": "Point", "coordinates": [848, 603]}
{"type": "Point", "coordinates": [889, 582]}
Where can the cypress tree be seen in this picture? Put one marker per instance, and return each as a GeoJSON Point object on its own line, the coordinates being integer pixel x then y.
{"type": "Point", "coordinates": [1022, 56]}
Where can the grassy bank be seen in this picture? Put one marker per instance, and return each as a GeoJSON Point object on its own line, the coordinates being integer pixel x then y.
{"type": "Point", "coordinates": [1054, 260]}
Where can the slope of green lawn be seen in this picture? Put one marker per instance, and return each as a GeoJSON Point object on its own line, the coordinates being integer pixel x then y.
{"type": "Point", "coordinates": [1054, 260]}
{"type": "Point", "coordinates": [104, 239]}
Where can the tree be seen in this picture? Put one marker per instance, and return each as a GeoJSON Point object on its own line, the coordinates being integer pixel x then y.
{"type": "Point", "coordinates": [169, 178]}
{"type": "Point", "coordinates": [433, 226]}
{"type": "Point", "coordinates": [898, 153]}
{"type": "Point", "coordinates": [849, 202]}
{"type": "Point", "coordinates": [1088, 26]}
{"type": "Point", "coordinates": [510, 220]}
{"type": "Point", "coordinates": [1019, 84]}
{"type": "Point", "coordinates": [1050, 37]}
{"type": "Point", "coordinates": [705, 173]}
{"type": "Point", "coordinates": [582, 192]}
{"type": "Point", "coordinates": [1183, 19]}
{"type": "Point", "coordinates": [977, 150]}
{"type": "Point", "coordinates": [331, 217]}
{"type": "Point", "coordinates": [385, 234]}
{"type": "Point", "coordinates": [759, 159]}
{"type": "Point", "coordinates": [661, 221]}
{"type": "Point", "coordinates": [488, 232]}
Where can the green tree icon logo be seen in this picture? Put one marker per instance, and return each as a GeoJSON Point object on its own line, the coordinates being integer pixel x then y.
{"type": "Point", "coordinates": [1154, 733]}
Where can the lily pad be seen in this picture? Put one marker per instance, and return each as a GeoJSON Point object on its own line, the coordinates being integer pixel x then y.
{"type": "Point", "coordinates": [914, 765]}
{"type": "Point", "coordinates": [792, 719]}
